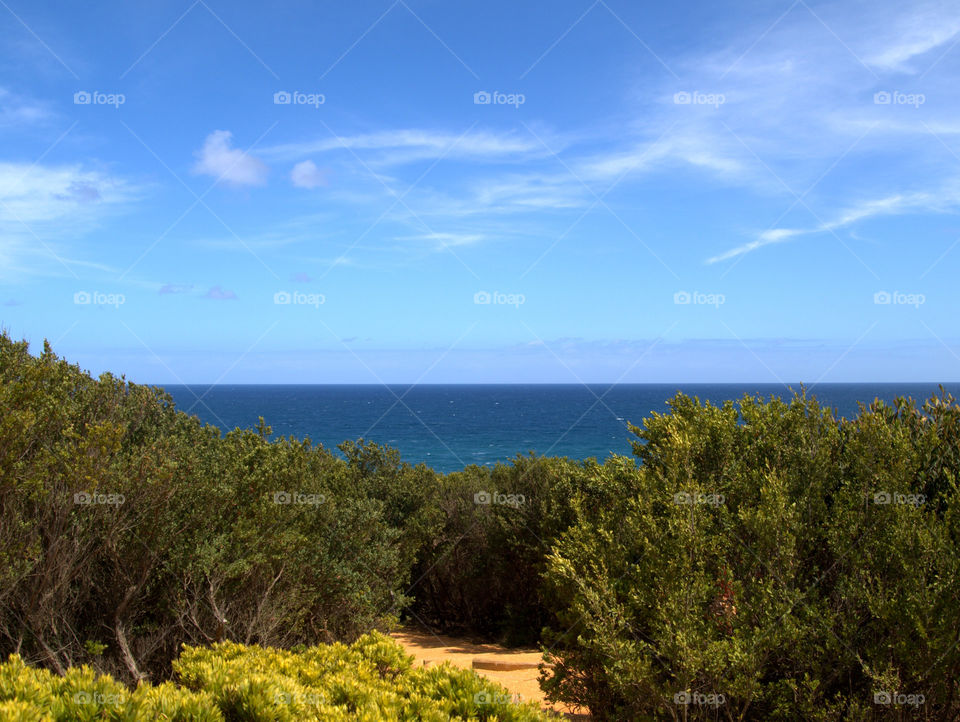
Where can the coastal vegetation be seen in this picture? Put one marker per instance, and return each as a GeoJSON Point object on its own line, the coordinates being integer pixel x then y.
{"type": "Point", "coordinates": [371, 680]}
{"type": "Point", "coordinates": [756, 560]}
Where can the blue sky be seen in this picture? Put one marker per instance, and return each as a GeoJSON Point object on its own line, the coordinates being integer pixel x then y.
{"type": "Point", "coordinates": [752, 191]}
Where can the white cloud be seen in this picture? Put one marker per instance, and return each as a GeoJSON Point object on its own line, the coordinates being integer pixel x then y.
{"type": "Point", "coordinates": [529, 192]}
{"type": "Point", "coordinates": [776, 235]}
{"type": "Point", "coordinates": [52, 203]}
{"type": "Point", "coordinates": [228, 164]}
{"type": "Point", "coordinates": [913, 35]}
{"type": "Point", "coordinates": [693, 146]}
{"type": "Point", "coordinates": [397, 147]}
{"type": "Point", "coordinates": [217, 293]}
{"type": "Point", "coordinates": [446, 240]}
{"type": "Point", "coordinates": [797, 117]}
{"type": "Point", "coordinates": [891, 205]}
{"type": "Point", "coordinates": [306, 175]}
{"type": "Point", "coordinates": [16, 111]}
{"type": "Point", "coordinates": [43, 194]}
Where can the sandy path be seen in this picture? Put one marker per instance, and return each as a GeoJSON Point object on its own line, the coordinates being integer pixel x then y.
{"type": "Point", "coordinates": [515, 669]}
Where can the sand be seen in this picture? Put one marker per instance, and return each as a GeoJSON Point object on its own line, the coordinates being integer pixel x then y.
{"type": "Point", "coordinates": [515, 669]}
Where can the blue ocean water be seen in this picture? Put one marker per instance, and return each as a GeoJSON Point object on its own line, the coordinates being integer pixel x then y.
{"type": "Point", "coordinates": [451, 426]}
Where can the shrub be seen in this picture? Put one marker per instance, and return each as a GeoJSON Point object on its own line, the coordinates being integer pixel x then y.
{"type": "Point", "coordinates": [481, 570]}
{"type": "Point", "coordinates": [372, 680]}
{"type": "Point", "coordinates": [128, 528]}
{"type": "Point", "coordinates": [764, 560]}
{"type": "Point", "coordinates": [754, 569]}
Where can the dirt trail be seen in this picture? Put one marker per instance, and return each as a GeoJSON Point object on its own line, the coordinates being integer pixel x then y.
{"type": "Point", "coordinates": [515, 669]}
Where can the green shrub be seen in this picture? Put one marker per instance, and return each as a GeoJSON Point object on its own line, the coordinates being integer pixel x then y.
{"type": "Point", "coordinates": [764, 560]}
{"type": "Point", "coordinates": [769, 562]}
{"type": "Point", "coordinates": [481, 570]}
{"type": "Point", "coordinates": [372, 679]}
{"type": "Point", "coordinates": [128, 528]}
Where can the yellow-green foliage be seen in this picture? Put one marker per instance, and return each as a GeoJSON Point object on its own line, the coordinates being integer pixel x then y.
{"type": "Point", "coordinates": [28, 693]}
{"type": "Point", "coordinates": [371, 680]}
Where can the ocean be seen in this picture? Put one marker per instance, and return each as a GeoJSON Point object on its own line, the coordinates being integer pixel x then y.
{"type": "Point", "coordinates": [451, 426]}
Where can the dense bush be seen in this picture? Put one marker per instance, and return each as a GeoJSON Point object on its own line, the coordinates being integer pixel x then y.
{"type": "Point", "coordinates": [480, 572]}
{"type": "Point", "coordinates": [128, 528]}
{"type": "Point", "coordinates": [760, 560]}
{"type": "Point", "coordinates": [370, 680]}
{"type": "Point", "coordinates": [766, 562]}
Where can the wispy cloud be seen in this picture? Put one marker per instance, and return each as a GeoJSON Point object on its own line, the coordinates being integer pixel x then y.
{"type": "Point", "coordinates": [305, 174]}
{"type": "Point", "coordinates": [690, 145]}
{"type": "Point", "coordinates": [891, 205]}
{"type": "Point", "coordinates": [796, 107]}
{"type": "Point", "coordinates": [44, 207]}
{"type": "Point", "coordinates": [40, 194]}
{"type": "Point", "coordinates": [401, 146]}
{"type": "Point", "coordinates": [17, 111]}
{"type": "Point", "coordinates": [445, 240]}
{"type": "Point", "coordinates": [217, 158]}
{"type": "Point", "coordinates": [916, 31]}
{"type": "Point", "coordinates": [217, 293]}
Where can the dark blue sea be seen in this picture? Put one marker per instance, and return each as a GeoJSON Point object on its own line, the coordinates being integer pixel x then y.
{"type": "Point", "coordinates": [451, 426]}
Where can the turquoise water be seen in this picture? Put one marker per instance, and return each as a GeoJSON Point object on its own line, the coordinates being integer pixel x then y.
{"type": "Point", "coordinates": [451, 426]}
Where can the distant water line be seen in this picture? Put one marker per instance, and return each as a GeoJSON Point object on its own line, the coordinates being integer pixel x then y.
{"type": "Point", "coordinates": [451, 426]}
